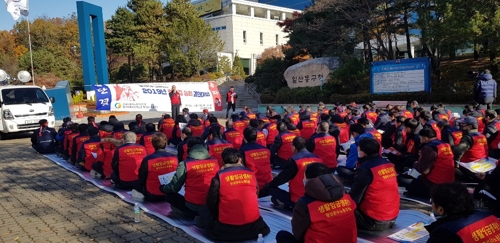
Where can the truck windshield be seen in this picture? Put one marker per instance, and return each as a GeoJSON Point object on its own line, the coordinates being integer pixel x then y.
{"type": "Point", "coordinates": [23, 96]}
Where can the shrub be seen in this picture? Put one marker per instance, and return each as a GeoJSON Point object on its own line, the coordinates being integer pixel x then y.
{"type": "Point", "coordinates": [236, 77]}
{"type": "Point", "coordinates": [77, 98]}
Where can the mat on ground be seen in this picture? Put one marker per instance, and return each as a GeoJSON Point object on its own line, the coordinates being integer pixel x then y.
{"type": "Point", "coordinates": [276, 218]}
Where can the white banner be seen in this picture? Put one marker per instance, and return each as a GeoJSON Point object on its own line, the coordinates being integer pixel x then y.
{"type": "Point", "coordinates": [16, 8]}
{"type": "Point", "coordinates": [195, 96]}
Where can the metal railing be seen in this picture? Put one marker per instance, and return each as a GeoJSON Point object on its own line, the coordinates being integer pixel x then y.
{"type": "Point", "coordinates": [252, 92]}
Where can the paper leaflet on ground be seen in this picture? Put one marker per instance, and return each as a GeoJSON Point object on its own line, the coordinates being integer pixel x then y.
{"type": "Point", "coordinates": [411, 233]}
{"type": "Point", "coordinates": [481, 165]}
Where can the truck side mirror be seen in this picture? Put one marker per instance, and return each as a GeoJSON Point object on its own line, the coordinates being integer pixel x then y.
{"type": "Point", "coordinates": [52, 100]}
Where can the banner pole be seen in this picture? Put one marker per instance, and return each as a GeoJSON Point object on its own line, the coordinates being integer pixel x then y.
{"type": "Point", "coordinates": [31, 52]}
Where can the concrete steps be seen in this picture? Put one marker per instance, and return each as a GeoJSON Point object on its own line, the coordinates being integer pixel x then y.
{"type": "Point", "coordinates": [244, 97]}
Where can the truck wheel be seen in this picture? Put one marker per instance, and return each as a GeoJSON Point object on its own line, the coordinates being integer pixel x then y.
{"type": "Point", "coordinates": [3, 136]}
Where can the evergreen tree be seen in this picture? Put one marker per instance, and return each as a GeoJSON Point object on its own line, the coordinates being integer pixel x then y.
{"type": "Point", "coordinates": [238, 67]}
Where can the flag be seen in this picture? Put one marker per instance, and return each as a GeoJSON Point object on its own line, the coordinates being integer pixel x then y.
{"type": "Point", "coordinates": [16, 8]}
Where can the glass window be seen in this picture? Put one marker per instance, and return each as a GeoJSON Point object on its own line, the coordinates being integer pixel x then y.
{"type": "Point", "coordinates": [277, 39]}
{"type": "Point", "coordinates": [261, 38]}
{"type": "Point", "coordinates": [245, 36]}
{"type": "Point", "coordinates": [23, 96]}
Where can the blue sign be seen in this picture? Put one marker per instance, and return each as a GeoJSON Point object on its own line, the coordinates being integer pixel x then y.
{"type": "Point", "coordinates": [402, 75]}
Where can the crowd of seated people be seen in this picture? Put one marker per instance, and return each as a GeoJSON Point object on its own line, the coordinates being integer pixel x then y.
{"type": "Point", "coordinates": [224, 170]}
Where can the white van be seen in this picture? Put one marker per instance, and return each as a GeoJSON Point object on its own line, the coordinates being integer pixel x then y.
{"type": "Point", "coordinates": [22, 107]}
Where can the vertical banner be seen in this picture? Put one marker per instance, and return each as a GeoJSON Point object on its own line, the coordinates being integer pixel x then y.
{"type": "Point", "coordinates": [196, 96]}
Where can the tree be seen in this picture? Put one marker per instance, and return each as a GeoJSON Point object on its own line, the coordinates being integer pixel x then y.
{"type": "Point", "coordinates": [238, 67]}
{"type": "Point", "coordinates": [225, 65]}
{"type": "Point", "coordinates": [120, 37]}
{"type": "Point", "coordinates": [191, 45]}
{"type": "Point", "coordinates": [271, 52]}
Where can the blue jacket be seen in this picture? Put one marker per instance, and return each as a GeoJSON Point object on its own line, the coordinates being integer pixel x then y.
{"type": "Point", "coordinates": [486, 87]}
{"type": "Point", "coordinates": [352, 158]}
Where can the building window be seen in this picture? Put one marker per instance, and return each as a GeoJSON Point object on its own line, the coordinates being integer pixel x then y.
{"type": "Point", "coordinates": [245, 36]}
{"type": "Point", "coordinates": [223, 27]}
{"type": "Point", "coordinates": [277, 39]}
{"type": "Point", "coordinates": [261, 38]}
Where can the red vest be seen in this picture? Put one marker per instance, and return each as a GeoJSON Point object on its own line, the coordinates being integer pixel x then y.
{"type": "Point", "coordinates": [457, 136]}
{"type": "Point", "coordinates": [272, 130]}
{"type": "Point", "coordinates": [199, 174]}
{"type": "Point", "coordinates": [261, 138]}
{"type": "Point", "coordinates": [443, 169]}
{"type": "Point", "coordinates": [252, 116]}
{"type": "Point", "coordinates": [484, 229]}
{"type": "Point", "coordinates": [325, 147]}
{"type": "Point", "coordinates": [129, 160]}
{"type": "Point", "coordinates": [375, 134]}
{"type": "Point", "coordinates": [176, 98]}
{"type": "Point", "coordinates": [434, 127]}
{"type": "Point", "coordinates": [197, 130]}
{"type": "Point", "coordinates": [372, 116]}
{"type": "Point", "coordinates": [344, 136]}
{"type": "Point", "coordinates": [308, 129]}
{"type": "Point", "coordinates": [496, 140]}
{"type": "Point", "coordinates": [106, 157]}
{"type": "Point", "coordinates": [410, 147]}
{"type": "Point", "coordinates": [65, 140]}
{"type": "Point", "coordinates": [228, 97]}
{"type": "Point", "coordinates": [104, 134]}
{"type": "Point", "coordinates": [138, 139]}
{"type": "Point", "coordinates": [167, 127]}
{"type": "Point", "coordinates": [381, 200]}
{"type": "Point", "coordinates": [296, 184]}
{"type": "Point", "coordinates": [178, 131]}
{"type": "Point", "coordinates": [407, 114]}
{"type": "Point", "coordinates": [296, 132]}
{"type": "Point", "coordinates": [479, 149]}
{"type": "Point", "coordinates": [185, 150]}
{"type": "Point", "coordinates": [443, 117]}
{"type": "Point", "coordinates": [158, 166]}
{"type": "Point", "coordinates": [240, 125]}
{"type": "Point", "coordinates": [234, 137]}
{"type": "Point", "coordinates": [79, 141]}
{"type": "Point", "coordinates": [314, 117]}
{"type": "Point", "coordinates": [238, 201]}
{"type": "Point", "coordinates": [215, 150]}
{"type": "Point", "coordinates": [148, 143]}
{"type": "Point", "coordinates": [480, 124]}
{"type": "Point", "coordinates": [258, 159]}
{"type": "Point", "coordinates": [206, 123]}
{"type": "Point", "coordinates": [285, 151]}
{"type": "Point", "coordinates": [325, 216]}
{"type": "Point", "coordinates": [71, 138]}
{"type": "Point", "coordinates": [295, 118]}
{"type": "Point", "coordinates": [118, 135]}
{"type": "Point", "coordinates": [90, 148]}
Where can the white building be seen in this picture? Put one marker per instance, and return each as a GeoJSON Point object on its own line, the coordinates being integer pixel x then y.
{"type": "Point", "coordinates": [247, 28]}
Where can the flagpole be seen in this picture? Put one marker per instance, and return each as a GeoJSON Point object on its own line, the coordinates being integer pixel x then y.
{"type": "Point", "coordinates": [31, 52]}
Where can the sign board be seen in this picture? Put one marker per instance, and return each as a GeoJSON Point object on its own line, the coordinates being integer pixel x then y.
{"type": "Point", "coordinates": [195, 96]}
{"type": "Point", "coordinates": [405, 75]}
{"type": "Point", "coordinates": [204, 7]}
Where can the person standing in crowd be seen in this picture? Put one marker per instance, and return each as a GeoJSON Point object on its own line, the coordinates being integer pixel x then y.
{"type": "Point", "coordinates": [314, 218]}
{"type": "Point", "coordinates": [457, 221]}
{"type": "Point", "coordinates": [231, 97]}
{"type": "Point", "coordinates": [175, 100]}
{"type": "Point", "coordinates": [159, 163]}
{"type": "Point", "coordinates": [375, 188]}
{"type": "Point", "coordinates": [43, 138]}
{"type": "Point", "coordinates": [485, 91]}
{"type": "Point", "coordinates": [232, 209]}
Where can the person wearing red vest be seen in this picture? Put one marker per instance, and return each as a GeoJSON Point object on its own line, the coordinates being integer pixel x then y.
{"type": "Point", "coordinates": [261, 137]}
{"type": "Point", "coordinates": [231, 97]}
{"type": "Point", "coordinates": [194, 173]}
{"type": "Point", "coordinates": [77, 142]}
{"type": "Point", "coordinates": [175, 101]}
{"type": "Point", "coordinates": [182, 151]}
{"type": "Point", "coordinates": [217, 144]}
{"type": "Point", "coordinates": [449, 134]}
{"type": "Point", "coordinates": [118, 130]}
{"type": "Point", "coordinates": [238, 124]}
{"type": "Point", "coordinates": [325, 213]}
{"type": "Point", "coordinates": [166, 126]}
{"type": "Point", "coordinates": [126, 162]}
{"type": "Point", "coordinates": [89, 150]}
{"type": "Point", "coordinates": [232, 209]}
{"type": "Point", "coordinates": [257, 158]}
{"type": "Point", "coordinates": [375, 188]}
{"type": "Point", "coordinates": [472, 146]}
{"type": "Point", "coordinates": [91, 122]}
{"type": "Point", "coordinates": [133, 127]}
{"type": "Point", "coordinates": [61, 136]}
{"type": "Point", "coordinates": [235, 137]}
{"type": "Point", "coordinates": [369, 114]}
{"type": "Point", "coordinates": [293, 173]}
{"type": "Point", "coordinates": [105, 129]}
{"type": "Point", "coordinates": [196, 127]}
{"type": "Point", "coordinates": [271, 129]}
{"type": "Point", "coordinates": [306, 126]}
{"type": "Point", "coordinates": [457, 221]}
{"type": "Point", "coordinates": [436, 166]}
{"type": "Point", "coordinates": [102, 168]}
{"type": "Point", "coordinates": [369, 129]}
{"type": "Point", "coordinates": [324, 146]}
{"type": "Point", "coordinates": [71, 131]}
{"type": "Point", "coordinates": [147, 138]}
{"type": "Point", "coordinates": [281, 150]}
{"type": "Point", "coordinates": [491, 133]}
{"type": "Point", "coordinates": [213, 123]}
{"type": "Point", "coordinates": [426, 120]}
{"type": "Point", "coordinates": [159, 163]}
{"type": "Point", "coordinates": [176, 132]}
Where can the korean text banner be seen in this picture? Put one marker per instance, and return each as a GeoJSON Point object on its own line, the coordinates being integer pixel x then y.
{"type": "Point", "coordinates": [195, 96]}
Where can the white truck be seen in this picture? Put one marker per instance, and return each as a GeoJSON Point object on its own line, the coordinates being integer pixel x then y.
{"type": "Point", "coordinates": [22, 107]}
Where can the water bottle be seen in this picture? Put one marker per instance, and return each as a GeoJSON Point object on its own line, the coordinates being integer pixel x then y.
{"type": "Point", "coordinates": [137, 213]}
{"type": "Point", "coordinates": [260, 238]}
